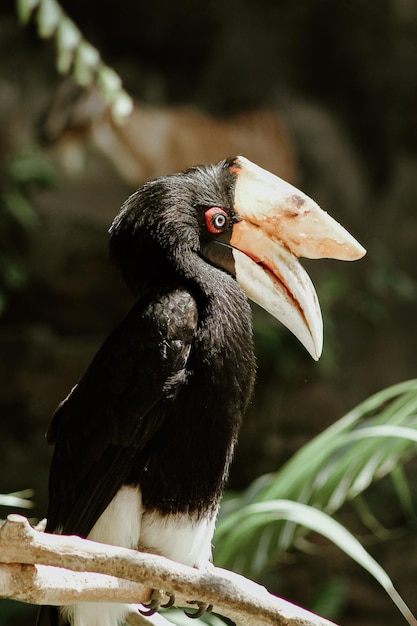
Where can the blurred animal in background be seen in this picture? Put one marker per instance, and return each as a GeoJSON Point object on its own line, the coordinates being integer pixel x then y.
{"type": "Point", "coordinates": [155, 140]}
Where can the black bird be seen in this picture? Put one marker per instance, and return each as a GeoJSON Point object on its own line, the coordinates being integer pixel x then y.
{"type": "Point", "coordinates": [143, 443]}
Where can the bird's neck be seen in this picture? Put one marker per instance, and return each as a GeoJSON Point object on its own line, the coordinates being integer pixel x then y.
{"type": "Point", "coordinates": [208, 283]}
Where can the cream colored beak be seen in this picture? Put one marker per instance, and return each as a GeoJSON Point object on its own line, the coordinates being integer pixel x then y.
{"type": "Point", "coordinates": [279, 224]}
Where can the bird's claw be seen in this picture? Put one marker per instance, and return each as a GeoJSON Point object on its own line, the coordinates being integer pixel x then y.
{"type": "Point", "coordinates": [151, 608]}
{"type": "Point", "coordinates": [203, 607]}
{"type": "Point", "coordinates": [155, 603]}
{"type": "Point", "coordinates": [170, 602]}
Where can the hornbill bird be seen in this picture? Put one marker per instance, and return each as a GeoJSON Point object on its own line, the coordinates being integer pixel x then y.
{"type": "Point", "coordinates": [144, 441]}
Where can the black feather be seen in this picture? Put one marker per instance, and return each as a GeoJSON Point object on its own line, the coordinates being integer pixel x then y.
{"type": "Point", "coordinates": [161, 403]}
{"type": "Point", "coordinates": [116, 408]}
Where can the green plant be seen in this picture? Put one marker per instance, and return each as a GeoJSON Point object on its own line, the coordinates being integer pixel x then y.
{"type": "Point", "coordinates": [74, 54]}
{"type": "Point", "coordinates": [20, 175]}
{"type": "Point", "coordinates": [274, 514]}
{"type": "Point", "coordinates": [18, 499]}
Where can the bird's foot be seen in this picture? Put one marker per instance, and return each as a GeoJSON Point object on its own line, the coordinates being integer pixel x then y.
{"type": "Point", "coordinates": [202, 608]}
{"type": "Point", "coordinates": [156, 602]}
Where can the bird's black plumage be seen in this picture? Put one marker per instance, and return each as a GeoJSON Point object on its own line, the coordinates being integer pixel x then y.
{"type": "Point", "coordinates": [160, 405]}
{"type": "Point", "coordinates": [162, 400]}
{"type": "Point", "coordinates": [144, 442]}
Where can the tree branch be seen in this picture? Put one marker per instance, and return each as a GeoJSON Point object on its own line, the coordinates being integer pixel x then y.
{"type": "Point", "coordinates": [41, 568]}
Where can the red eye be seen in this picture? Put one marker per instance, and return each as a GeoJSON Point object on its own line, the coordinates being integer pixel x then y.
{"type": "Point", "coordinates": [217, 220]}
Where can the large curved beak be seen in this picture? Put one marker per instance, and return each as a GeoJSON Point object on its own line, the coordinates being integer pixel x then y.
{"type": "Point", "coordinates": [278, 224]}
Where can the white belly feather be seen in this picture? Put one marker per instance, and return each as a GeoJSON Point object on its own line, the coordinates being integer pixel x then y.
{"type": "Point", "coordinates": [125, 523]}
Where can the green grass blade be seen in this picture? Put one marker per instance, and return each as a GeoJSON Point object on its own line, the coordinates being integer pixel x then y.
{"type": "Point", "coordinates": [339, 462]}
{"type": "Point", "coordinates": [254, 516]}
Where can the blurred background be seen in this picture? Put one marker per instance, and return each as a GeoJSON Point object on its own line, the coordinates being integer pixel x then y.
{"type": "Point", "coordinates": [322, 93]}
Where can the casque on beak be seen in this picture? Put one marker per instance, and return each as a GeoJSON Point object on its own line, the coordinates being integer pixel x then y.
{"type": "Point", "coordinates": [279, 224]}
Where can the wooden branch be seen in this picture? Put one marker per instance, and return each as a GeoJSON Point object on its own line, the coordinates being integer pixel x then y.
{"type": "Point", "coordinates": [41, 568]}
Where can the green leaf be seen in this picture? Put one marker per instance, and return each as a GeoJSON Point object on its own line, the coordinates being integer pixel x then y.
{"type": "Point", "coordinates": [86, 62]}
{"type": "Point", "coordinates": [110, 84]}
{"type": "Point", "coordinates": [49, 16]}
{"type": "Point", "coordinates": [17, 499]}
{"type": "Point", "coordinates": [403, 492]}
{"type": "Point", "coordinates": [74, 52]}
{"type": "Point", "coordinates": [337, 462]}
{"type": "Point", "coordinates": [68, 38]}
{"type": "Point", "coordinates": [30, 167]}
{"type": "Point", "coordinates": [371, 441]}
{"type": "Point", "coordinates": [255, 516]}
{"type": "Point", "coordinates": [25, 9]}
{"type": "Point", "coordinates": [12, 272]}
{"type": "Point", "coordinates": [20, 208]}
{"type": "Point", "coordinates": [109, 81]}
{"type": "Point", "coordinates": [121, 107]}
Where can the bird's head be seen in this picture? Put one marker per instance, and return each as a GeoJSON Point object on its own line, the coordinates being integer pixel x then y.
{"type": "Point", "coordinates": [242, 219]}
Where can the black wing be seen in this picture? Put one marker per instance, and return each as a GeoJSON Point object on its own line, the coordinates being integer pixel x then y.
{"type": "Point", "coordinates": [116, 407]}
